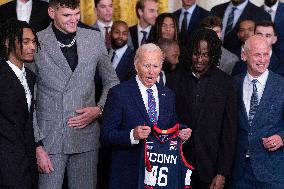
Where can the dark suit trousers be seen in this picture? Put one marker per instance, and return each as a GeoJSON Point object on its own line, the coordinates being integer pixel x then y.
{"type": "Point", "coordinates": [249, 181]}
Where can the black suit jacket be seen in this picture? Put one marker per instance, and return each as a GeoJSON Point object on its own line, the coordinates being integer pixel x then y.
{"type": "Point", "coordinates": [134, 36]}
{"type": "Point", "coordinates": [39, 17]}
{"type": "Point", "coordinates": [212, 143]}
{"type": "Point", "coordinates": [251, 12]}
{"type": "Point", "coordinates": [276, 65]}
{"type": "Point", "coordinates": [17, 147]}
{"type": "Point", "coordinates": [196, 17]}
{"type": "Point", "coordinates": [125, 68]}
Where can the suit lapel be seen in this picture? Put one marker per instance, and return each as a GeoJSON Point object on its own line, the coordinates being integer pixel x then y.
{"type": "Point", "coordinates": [122, 65]}
{"type": "Point", "coordinates": [242, 108]}
{"type": "Point", "coordinates": [162, 102]}
{"type": "Point", "coordinates": [51, 45]}
{"type": "Point", "coordinates": [193, 19]}
{"type": "Point", "coordinates": [136, 94]}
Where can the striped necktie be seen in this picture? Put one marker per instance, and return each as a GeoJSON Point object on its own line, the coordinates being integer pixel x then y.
{"type": "Point", "coordinates": [230, 21]}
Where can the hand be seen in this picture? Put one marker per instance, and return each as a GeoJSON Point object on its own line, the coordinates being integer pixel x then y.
{"type": "Point", "coordinates": [43, 162]}
{"type": "Point", "coordinates": [272, 143]}
{"type": "Point", "coordinates": [218, 182]}
{"type": "Point", "coordinates": [141, 132]}
{"type": "Point", "coordinates": [184, 134]}
{"type": "Point", "coordinates": [85, 117]}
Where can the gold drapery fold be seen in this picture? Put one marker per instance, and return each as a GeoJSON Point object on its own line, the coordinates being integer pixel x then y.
{"type": "Point", "coordinates": [4, 1]}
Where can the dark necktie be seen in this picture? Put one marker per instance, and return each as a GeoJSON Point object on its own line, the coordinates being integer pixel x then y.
{"type": "Point", "coordinates": [113, 56]}
{"type": "Point", "coordinates": [161, 80]}
{"type": "Point", "coordinates": [152, 112]}
{"type": "Point", "coordinates": [253, 102]}
{"type": "Point", "coordinates": [230, 21]}
{"type": "Point", "coordinates": [183, 30]}
{"type": "Point", "coordinates": [144, 38]}
{"type": "Point", "coordinates": [107, 37]}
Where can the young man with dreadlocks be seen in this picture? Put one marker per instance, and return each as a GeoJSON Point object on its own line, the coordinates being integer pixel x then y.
{"type": "Point", "coordinates": [66, 128]}
{"type": "Point", "coordinates": [206, 101]}
{"type": "Point", "coordinates": [18, 44]}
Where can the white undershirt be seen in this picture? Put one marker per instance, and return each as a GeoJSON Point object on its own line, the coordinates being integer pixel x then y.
{"type": "Point", "coordinates": [24, 10]}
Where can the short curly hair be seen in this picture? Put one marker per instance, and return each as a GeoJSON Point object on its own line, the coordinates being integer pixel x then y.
{"type": "Point", "coordinates": [72, 4]}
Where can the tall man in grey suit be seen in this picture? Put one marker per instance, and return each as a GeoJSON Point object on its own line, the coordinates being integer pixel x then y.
{"type": "Point", "coordinates": [66, 130]}
{"type": "Point", "coordinates": [259, 154]}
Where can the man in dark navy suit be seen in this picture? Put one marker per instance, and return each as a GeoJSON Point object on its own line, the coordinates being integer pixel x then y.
{"type": "Point", "coordinates": [130, 111]}
{"type": "Point", "coordinates": [18, 167]}
{"type": "Point", "coordinates": [265, 29]}
{"type": "Point", "coordinates": [232, 13]}
{"type": "Point", "coordinates": [188, 18]}
{"type": "Point", "coordinates": [259, 152]}
{"type": "Point", "coordinates": [122, 56]}
{"type": "Point", "coordinates": [33, 12]}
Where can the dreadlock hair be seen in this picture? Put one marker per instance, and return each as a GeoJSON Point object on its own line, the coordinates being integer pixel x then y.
{"type": "Point", "coordinates": [11, 32]}
{"type": "Point", "coordinates": [72, 4]}
{"type": "Point", "coordinates": [158, 26]}
{"type": "Point", "coordinates": [213, 43]}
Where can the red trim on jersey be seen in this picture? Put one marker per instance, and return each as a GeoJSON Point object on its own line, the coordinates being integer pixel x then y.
{"type": "Point", "coordinates": [174, 129]}
{"type": "Point", "coordinates": [187, 187]}
{"type": "Point", "coordinates": [183, 158]}
{"type": "Point", "coordinates": [149, 187]}
{"type": "Point", "coordinates": [146, 158]}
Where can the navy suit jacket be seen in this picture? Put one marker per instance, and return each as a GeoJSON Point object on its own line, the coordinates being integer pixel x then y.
{"type": "Point", "coordinates": [278, 22]}
{"type": "Point", "coordinates": [125, 68]}
{"type": "Point", "coordinates": [198, 14]}
{"type": "Point", "coordinates": [39, 17]}
{"type": "Point", "coordinates": [276, 65]}
{"type": "Point", "coordinates": [251, 12]}
{"type": "Point", "coordinates": [134, 36]}
{"type": "Point", "coordinates": [18, 167]}
{"type": "Point", "coordinates": [124, 110]}
{"type": "Point", "coordinates": [268, 120]}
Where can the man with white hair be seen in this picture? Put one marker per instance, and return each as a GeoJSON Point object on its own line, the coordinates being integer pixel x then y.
{"type": "Point", "coordinates": [131, 110]}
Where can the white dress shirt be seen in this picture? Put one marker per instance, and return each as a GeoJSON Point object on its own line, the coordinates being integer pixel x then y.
{"type": "Point", "coordinates": [143, 91]}
{"type": "Point", "coordinates": [248, 88]}
{"type": "Point", "coordinates": [21, 75]}
{"type": "Point", "coordinates": [102, 27]}
{"type": "Point", "coordinates": [140, 34]}
{"type": "Point", "coordinates": [271, 10]}
{"type": "Point", "coordinates": [237, 13]}
{"type": "Point", "coordinates": [190, 12]}
{"type": "Point", "coordinates": [24, 10]}
{"type": "Point", "coordinates": [118, 55]}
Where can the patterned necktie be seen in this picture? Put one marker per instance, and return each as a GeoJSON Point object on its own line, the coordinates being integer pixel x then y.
{"type": "Point", "coordinates": [253, 102]}
{"type": "Point", "coordinates": [144, 38]}
{"type": "Point", "coordinates": [113, 57]}
{"type": "Point", "coordinates": [161, 80]}
{"type": "Point", "coordinates": [107, 37]}
{"type": "Point", "coordinates": [230, 21]}
{"type": "Point", "coordinates": [183, 29]}
{"type": "Point", "coordinates": [152, 112]}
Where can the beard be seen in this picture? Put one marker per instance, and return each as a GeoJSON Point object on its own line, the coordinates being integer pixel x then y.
{"type": "Point", "coordinates": [116, 45]}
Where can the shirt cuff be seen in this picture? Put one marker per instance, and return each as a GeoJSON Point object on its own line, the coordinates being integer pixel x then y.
{"type": "Point", "coordinates": [132, 140]}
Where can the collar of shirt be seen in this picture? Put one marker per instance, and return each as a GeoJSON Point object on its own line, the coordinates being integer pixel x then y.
{"type": "Point", "coordinates": [63, 37]}
{"type": "Point", "coordinates": [102, 25]}
{"type": "Point", "coordinates": [119, 53]}
{"type": "Point", "coordinates": [24, 10]}
{"type": "Point", "coordinates": [240, 7]}
{"type": "Point", "coordinates": [190, 12]}
{"type": "Point", "coordinates": [206, 74]}
{"type": "Point", "coordinates": [140, 34]}
{"type": "Point", "coordinates": [273, 8]}
{"type": "Point", "coordinates": [144, 94]}
{"type": "Point", "coordinates": [19, 72]}
{"type": "Point", "coordinates": [248, 89]}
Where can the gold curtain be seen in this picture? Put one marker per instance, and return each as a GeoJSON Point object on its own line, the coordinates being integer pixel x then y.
{"type": "Point", "coordinates": [4, 1]}
{"type": "Point", "coordinates": [87, 12]}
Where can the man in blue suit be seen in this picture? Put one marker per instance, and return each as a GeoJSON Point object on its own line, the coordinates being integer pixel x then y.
{"type": "Point", "coordinates": [276, 11]}
{"type": "Point", "coordinates": [130, 111]}
{"type": "Point", "coordinates": [188, 19]}
{"type": "Point", "coordinates": [267, 30]}
{"type": "Point", "coordinates": [259, 162]}
{"type": "Point", "coordinates": [232, 13]}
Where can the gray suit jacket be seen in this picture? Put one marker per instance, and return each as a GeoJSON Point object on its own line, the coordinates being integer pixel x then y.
{"type": "Point", "coordinates": [228, 61]}
{"type": "Point", "coordinates": [60, 91]}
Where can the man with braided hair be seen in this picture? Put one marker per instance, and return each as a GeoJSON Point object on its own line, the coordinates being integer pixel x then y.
{"type": "Point", "coordinates": [206, 102]}
{"type": "Point", "coordinates": [18, 44]}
